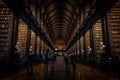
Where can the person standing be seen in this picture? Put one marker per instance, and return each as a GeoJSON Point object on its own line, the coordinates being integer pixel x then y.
{"type": "Point", "coordinates": [29, 63]}
{"type": "Point", "coordinates": [46, 59]}
{"type": "Point", "coordinates": [73, 61]}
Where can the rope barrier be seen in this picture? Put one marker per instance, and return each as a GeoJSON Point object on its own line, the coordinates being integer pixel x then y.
{"type": "Point", "coordinates": [21, 62]}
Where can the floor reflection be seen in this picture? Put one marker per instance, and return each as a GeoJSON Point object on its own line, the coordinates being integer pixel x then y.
{"type": "Point", "coordinates": [82, 73]}
{"type": "Point", "coordinates": [52, 75]}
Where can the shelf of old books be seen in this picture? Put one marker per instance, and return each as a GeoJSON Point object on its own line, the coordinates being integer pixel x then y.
{"type": "Point", "coordinates": [22, 37]}
{"type": "Point", "coordinates": [87, 35]}
{"type": "Point", "coordinates": [77, 47]}
{"type": "Point", "coordinates": [32, 42]}
{"type": "Point", "coordinates": [42, 47]}
{"type": "Point", "coordinates": [98, 37]}
{"type": "Point", "coordinates": [38, 45]}
{"type": "Point", "coordinates": [5, 28]}
{"type": "Point", "coordinates": [114, 23]}
{"type": "Point", "coordinates": [81, 45]}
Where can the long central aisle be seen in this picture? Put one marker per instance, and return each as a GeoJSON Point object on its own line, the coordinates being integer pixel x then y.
{"type": "Point", "coordinates": [60, 69]}
{"type": "Point", "coordinates": [58, 72]}
{"type": "Point", "coordinates": [59, 64]}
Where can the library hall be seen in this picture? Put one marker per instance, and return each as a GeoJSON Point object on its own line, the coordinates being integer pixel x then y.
{"type": "Point", "coordinates": [59, 39]}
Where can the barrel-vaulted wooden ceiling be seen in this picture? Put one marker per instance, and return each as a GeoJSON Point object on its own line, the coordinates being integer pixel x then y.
{"type": "Point", "coordinates": [60, 17]}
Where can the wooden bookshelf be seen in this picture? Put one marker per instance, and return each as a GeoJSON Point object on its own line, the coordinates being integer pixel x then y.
{"type": "Point", "coordinates": [32, 42]}
{"type": "Point", "coordinates": [22, 36]}
{"type": "Point", "coordinates": [81, 45]}
{"type": "Point", "coordinates": [87, 38]}
{"type": "Point", "coordinates": [38, 45]}
{"type": "Point", "coordinates": [5, 29]}
{"type": "Point", "coordinates": [98, 36]}
{"type": "Point", "coordinates": [114, 23]}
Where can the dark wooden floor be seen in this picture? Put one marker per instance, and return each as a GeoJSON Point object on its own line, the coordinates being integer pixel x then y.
{"type": "Point", "coordinates": [59, 71]}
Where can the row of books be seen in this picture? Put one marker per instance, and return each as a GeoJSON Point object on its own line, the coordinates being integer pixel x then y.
{"type": "Point", "coordinates": [114, 22]}
{"type": "Point", "coordinates": [5, 28]}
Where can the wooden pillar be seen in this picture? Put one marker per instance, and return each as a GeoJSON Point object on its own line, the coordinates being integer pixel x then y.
{"type": "Point", "coordinates": [35, 43]}
{"type": "Point", "coordinates": [40, 46]}
{"type": "Point", "coordinates": [28, 39]}
{"type": "Point", "coordinates": [80, 46]}
{"type": "Point", "coordinates": [92, 41]}
{"type": "Point", "coordinates": [28, 30]}
{"type": "Point", "coordinates": [36, 14]}
{"type": "Point", "coordinates": [14, 35]}
{"type": "Point", "coordinates": [84, 46]}
{"type": "Point", "coordinates": [91, 32]}
{"type": "Point", "coordinates": [106, 37]}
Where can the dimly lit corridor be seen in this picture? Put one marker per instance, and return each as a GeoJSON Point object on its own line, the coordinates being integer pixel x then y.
{"type": "Point", "coordinates": [59, 39]}
{"type": "Point", "coordinates": [83, 73]}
